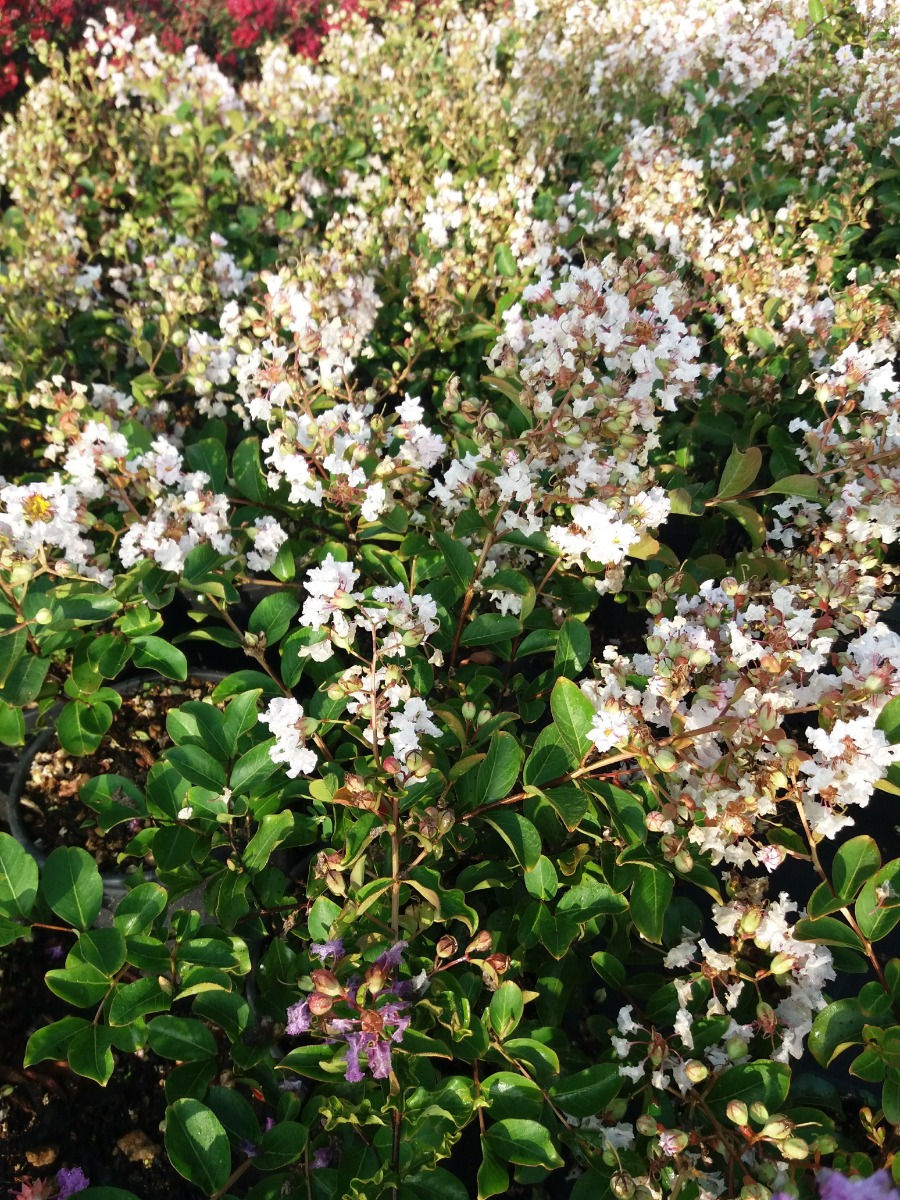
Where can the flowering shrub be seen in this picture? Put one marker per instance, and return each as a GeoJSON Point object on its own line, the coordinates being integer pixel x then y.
{"type": "Point", "coordinates": [508, 401]}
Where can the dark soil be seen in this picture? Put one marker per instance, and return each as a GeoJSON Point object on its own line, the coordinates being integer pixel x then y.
{"type": "Point", "coordinates": [50, 808]}
{"type": "Point", "coordinates": [52, 1118]}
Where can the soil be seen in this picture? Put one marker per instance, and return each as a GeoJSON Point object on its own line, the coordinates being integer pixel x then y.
{"type": "Point", "coordinates": [52, 1118]}
{"type": "Point", "coordinates": [50, 808]}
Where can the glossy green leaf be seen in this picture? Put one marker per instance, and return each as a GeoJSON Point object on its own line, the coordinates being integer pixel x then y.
{"type": "Point", "coordinates": [156, 654]}
{"type": "Point", "coordinates": [197, 1145]}
{"type": "Point", "coordinates": [72, 886]}
{"type": "Point", "coordinates": [90, 1053]}
{"type": "Point", "coordinates": [587, 1092]}
{"type": "Point", "coordinates": [182, 1038]}
{"type": "Point", "coordinates": [506, 1008]}
{"type": "Point", "coordinates": [18, 878]}
{"type": "Point", "coordinates": [519, 834]}
{"type": "Point", "coordinates": [651, 895]}
{"type": "Point", "coordinates": [522, 1141]}
{"type": "Point", "coordinates": [573, 715]}
{"type": "Point", "coordinates": [499, 770]}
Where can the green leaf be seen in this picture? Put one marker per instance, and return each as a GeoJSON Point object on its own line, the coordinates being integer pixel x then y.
{"type": "Point", "coordinates": [541, 881]}
{"type": "Point", "coordinates": [609, 969]}
{"type": "Point", "coordinates": [253, 768]}
{"type": "Point", "coordinates": [588, 1092]}
{"type": "Point", "coordinates": [139, 908]}
{"type": "Point", "coordinates": [81, 726]}
{"type": "Point", "coordinates": [527, 1143]}
{"type": "Point", "coordinates": [489, 629]}
{"type": "Point", "coordinates": [53, 1040]}
{"type": "Point", "coordinates": [24, 681]}
{"type": "Point", "coordinates": [273, 830]}
{"type": "Point", "coordinates": [512, 1095]}
{"type": "Point", "coordinates": [828, 931]}
{"type": "Point", "coordinates": [133, 1000]}
{"type": "Point", "coordinates": [493, 1178]}
{"type": "Point", "coordinates": [156, 654]}
{"type": "Point", "coordinates": [877, 914]}
{"type": "Point", "coordinates": [890, 1102]}
{"type": "Point", "coordinates": [519, 834]}
{"type": "Point", "coordinates": [747, 516]}
{"type": "Point", "coordinates": [505, 262]}
{"type": "Point", "coordinates": [18, 878]}
{"type": "Point", "coordinates": [102, 948]}
{"type": "Point", "coordinates": [740, 472]}
{"type": "Point", "coordinates": [198, 766]}
{"type": "Point", "coordinates": [241, 715]}
{"type": "Point", "coordinates": [855, 862]}
{"type": "Point", "coordinates": [651, 895]}
{"type": "Point", "coordinates": [573, 649]}
{"type": "Point", "coordinates": [591, 898]}
{"type": "Point", "coordinates": [208, 456]}
{"type": "Point", "coordinates": [460, 563]}
{"type": "Point", "coordinates": [506, 1008]}
{"type": "Point", "coordinates": [499, 770]}
{"type": "Point", "coordinates": [90, 1053]}
{"type": "Point", "coordinates": [72, 886]}
{"type": "Point", "coordinates": [573, 715]}
{"type": "Point", "coordinates": [548, 760]}
{"type": "Point", "coordinates": [281, 1146]}
{"type": "Point", "coordinates": [273, 615]}
{"type": "Point", "coordinates": [436, 1184]}
{"type": "Point", "coordinates": [197, 1145]}
{"type": "Point", "coordinates": [816, 11]}
{"type": "Point", "coordinates": [806, 486]}
{"type": "Point", "coordinates": [248, 473]}
{"type": "Point", "coordinates": [834, 1029]}
{"type": "Point", "coordinates": [80, 985]}
{"type": "Point", "coordinates": [181, 1038]}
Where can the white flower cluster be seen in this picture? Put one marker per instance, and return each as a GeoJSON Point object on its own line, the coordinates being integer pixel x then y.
{"type": "Point", "coordinates": [722, 676]}
{"type": "Point", "coordinates": [386, 623]}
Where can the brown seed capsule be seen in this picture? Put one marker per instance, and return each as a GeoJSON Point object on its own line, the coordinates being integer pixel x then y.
{"type": "Point", "coordinates": [319, 1005]}
{"type": "Point", "coordinates": [447, 946]}
{"type": "Point", "coordinates": [500, 962]}
{"type": "Point", "coordinates": [480, 942]}
{"type": "Point", "coordinates": [371, 1021]}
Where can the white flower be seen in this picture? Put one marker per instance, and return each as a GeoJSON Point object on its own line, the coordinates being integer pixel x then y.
{"type": "Point", "coordinates": [284, 717]}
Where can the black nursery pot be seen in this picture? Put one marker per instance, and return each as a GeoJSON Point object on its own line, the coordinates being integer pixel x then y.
{"type": "Point", "coordinates": [115, 883]}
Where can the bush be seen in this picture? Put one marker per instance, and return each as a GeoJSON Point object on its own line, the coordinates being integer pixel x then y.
{"type": "Point", "coordinates": [507, 400]}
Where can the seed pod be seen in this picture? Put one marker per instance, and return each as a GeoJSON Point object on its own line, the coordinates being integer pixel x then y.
{"type": "Point", "coordinates": [447, 946]}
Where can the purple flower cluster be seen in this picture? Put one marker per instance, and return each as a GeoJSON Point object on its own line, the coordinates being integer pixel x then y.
{"type": "Point", "coordinates": [70, 1180]}
{"type": "Point", "coordinates": [834, 1186]}
{"type": "Point", "coordinates": [371, 1030]}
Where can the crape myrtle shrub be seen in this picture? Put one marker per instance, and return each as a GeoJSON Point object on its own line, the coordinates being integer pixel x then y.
{"type": "Point", "coordinates": [517, 392]}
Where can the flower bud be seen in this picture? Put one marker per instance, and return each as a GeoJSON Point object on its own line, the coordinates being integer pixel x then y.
{"type": "Point", "coordinates": [319, 1005]}
{"type": "Point", "coordinates": [447, 946]}
{"type": "Point", "coordinates": [736, 1111]}
{"type": "Point", "coordinates": [683, 862]}
{"type": "Point", "coordinates": [696, 1071]}
{"type": "Point", "coordinates": [446, 821]}
{"type": "Point", "coordinates": [759, 1112]}
{"type": "Point", "coordinates": [482, 941]}
{"type": "Point", "coordinates": [484, 716]}
{"type": "Point", "coordinates": [326, 982]}
{"type": "Point", "coordinates": [500, 962]}
{"type": "Point", "coordinates": [750, 921]}
{"type": "Point", "coordinates": [778, 1128]}
{"type": "Point", "coordinates": [468, 711]}
{"type": "Point", "coordinates": [781, 964]}
{"type": "Point", "coordinates": [646, 1125]}
{"type": "Point", "coordinates": [43, 616]}
{"type": "Point", "coordinates": [735, 1047]}
{"type": "Point", "coordinates": [794, 1148]}
{"type": "Point", "coordinates": [665, 760]}
{"type": "Point", "coordinates": [376, 978]}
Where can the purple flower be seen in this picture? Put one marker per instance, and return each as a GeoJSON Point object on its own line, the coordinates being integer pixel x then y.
{"type": "Point", "coordinates": [392, 1014]}
{"type": "Point", "coordinates": [380, 1060]}
{"type": "Point", "coordinates": [270, 1124]}
{"type": "Point", "coordinates": [393, 957]}
{"type": "Point", "coordinates": [834, 1186]}
{"type": "Point", "coordinates": [70, 1180]}
{"type": "Point", "coordinates": [298, 1019]}
{"type": "Point", "coordinates": [249, 1148]}
{"type": "Point", "coordinates": [322, 1158]}
{"type": "Point", "coordinates": [323, 950]}
{"type": "Point", "coordinates": [354, 1074]}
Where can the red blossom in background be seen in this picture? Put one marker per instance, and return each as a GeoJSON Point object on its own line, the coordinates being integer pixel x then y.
{"type": "Point", "coordinates": [227, 32]}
